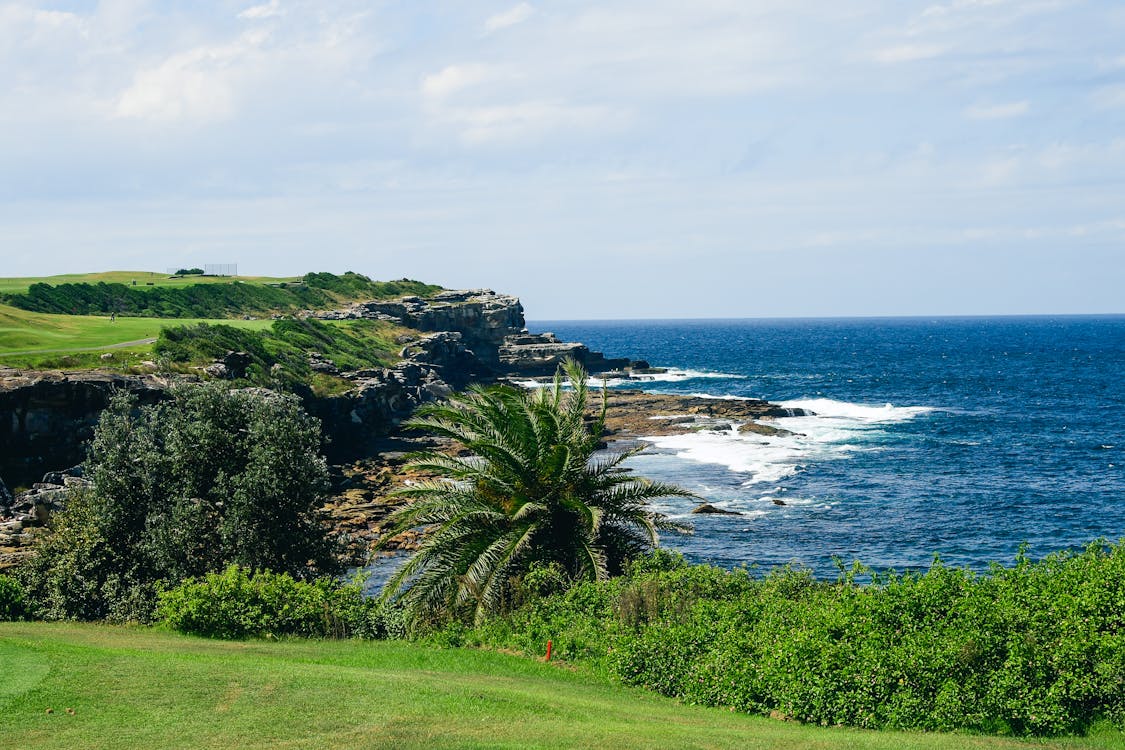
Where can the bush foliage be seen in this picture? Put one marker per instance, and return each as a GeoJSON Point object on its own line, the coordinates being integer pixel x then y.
{"type": "Point", "coordinates": [237, 603]}
{"type": "Point", "coordinates": [210, 300]}
{"type": "Point", "coordinates": [1034, 649]}
{"type": "Point", "coordinates": [11, 599]}
{"type": "Point", "coordinates": [187, 486]}
{"type": "Point", "coordinates": [279, 356]}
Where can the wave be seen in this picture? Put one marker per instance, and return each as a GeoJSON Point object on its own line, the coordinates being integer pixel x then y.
{"type": "Point", "coordinates": [829, 408]}
{"type": "Point", "coordinates": [838, 430]}
{"type": "Point", "coordinates": [667, 375]}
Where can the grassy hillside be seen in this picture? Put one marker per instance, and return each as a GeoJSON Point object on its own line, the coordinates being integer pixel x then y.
{"type": "Point", "coordinates": [23, 332]}
{"type": "Point", "coordinates": [71, 342]}
{"type": "Point", "coordinates": [139, 688]}
{"type": "Point", "coordinates": [204, 297]}
{"type": "Point", "coordinates": [20, 284]}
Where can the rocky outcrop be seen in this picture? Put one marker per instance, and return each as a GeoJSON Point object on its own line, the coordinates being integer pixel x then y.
{"type": "Point", "coordinates": [47, 417]}
{"type": "Point", "coordinates": [633, 414]}
{"type": "Point", "coordinates": [539, 354]}
{"type": "Point", "coordinates": [491, 325]}
{"type": "Point", "coordinates": [708, 509]}
{"type": "Point", "coordinates": [26, 518]}
{"type": "Point", "coordinates": [482, 317]}
{"type": "Point", "coordinates": [355, 422]}
{"type": "Point", "coordinates": [5, 498]}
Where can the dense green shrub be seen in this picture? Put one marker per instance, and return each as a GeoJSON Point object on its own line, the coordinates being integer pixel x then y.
{"type": "Point", "coordinates": [210, 300]}
{"type": "Point", "coordinates": [279, 356]}
{"type": "Point", "coordinates": [237, 603]}
{"type": "Point", "coordinates": [1035, 649]}
{"type": "Point", "coordinates": [207, 478]}
{"type": "Point", "coordinates": [11, 599]}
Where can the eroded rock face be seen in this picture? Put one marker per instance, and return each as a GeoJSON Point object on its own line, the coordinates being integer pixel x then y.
{"type": "Point", "coordinates": [491, 325]}
{"type": "Point", "coordinates": [47, 417]}
{"type": "Point", "coordinates": [26, 518]}
{"type": "Point", "coordinates": [538, 354]}
{"type": "Point", "coordinates": [482, 317]}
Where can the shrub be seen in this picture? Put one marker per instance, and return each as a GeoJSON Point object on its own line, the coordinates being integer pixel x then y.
{"type": "Point", "coordinates": [11, 599]}
{"type": "Point", "coordinates": [188, 486]}
{"type": "Point", "coordinates": [237, 603]}
{"type": "Point", "coordinates": [1034, 649]}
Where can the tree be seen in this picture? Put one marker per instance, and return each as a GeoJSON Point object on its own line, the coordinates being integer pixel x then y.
{"type": "Point", "coordinates": [531, 492]}
{"type": "Point", "coordinates": [208, 478]}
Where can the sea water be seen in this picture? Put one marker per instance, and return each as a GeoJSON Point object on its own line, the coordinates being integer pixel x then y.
{"type": "Point", "coordinates": [958, 437]}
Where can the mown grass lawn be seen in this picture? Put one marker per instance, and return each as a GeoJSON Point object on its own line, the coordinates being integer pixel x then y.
{"type": "Point", "coordinates": [144, 279]}
{"type": "Point", "coordinates": [23, 332]}
{"type": "Point", "coordinates": [142, 688]}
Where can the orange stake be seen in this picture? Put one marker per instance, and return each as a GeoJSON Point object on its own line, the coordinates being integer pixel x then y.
{"type": "Point", "coordinates": [548, 650]}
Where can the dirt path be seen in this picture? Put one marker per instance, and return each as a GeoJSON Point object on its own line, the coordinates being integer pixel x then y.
{"type": "Point", "coordinates": [122, 345]}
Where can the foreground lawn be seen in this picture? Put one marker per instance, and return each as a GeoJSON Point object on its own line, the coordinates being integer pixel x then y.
{"type": "Point", "coordinates": [139, 688]}
{"type": "Point", "coordinates": [23, 332]}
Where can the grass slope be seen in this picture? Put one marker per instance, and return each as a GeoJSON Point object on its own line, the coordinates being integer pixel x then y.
{"type": "Point", "coordinates": [20, 284]}
{"type": "Point", "coordinates": [140, 688]}
{"type": "Point", "coordinates": [203, 297]}
{"type": "Point", "coordinates": [23, 332]}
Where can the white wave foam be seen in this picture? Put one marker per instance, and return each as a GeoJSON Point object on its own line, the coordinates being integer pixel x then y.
{"type": "Point", "coordinates": [827, 408]}
{"type": "Point", "coordinates": [669, 375]}
{"type": "Point", "coordinates": [838, 430]}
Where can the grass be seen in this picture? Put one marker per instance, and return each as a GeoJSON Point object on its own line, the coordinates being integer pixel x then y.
{"type": "Point", "coordinates": [142, 688]}
{"type": "Point", "coordinates": [23, 332]}
{"type": "Point", "coordinates": [19, 285]}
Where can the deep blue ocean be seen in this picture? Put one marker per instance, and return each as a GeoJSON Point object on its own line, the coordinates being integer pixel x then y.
{"type": "Point", "coordinates": [962, 437]}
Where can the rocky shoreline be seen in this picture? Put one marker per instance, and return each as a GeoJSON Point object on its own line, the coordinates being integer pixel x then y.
{"type": "Point", "coordinates": [462, 337]}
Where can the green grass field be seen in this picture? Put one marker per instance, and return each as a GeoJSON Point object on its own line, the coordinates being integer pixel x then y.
{"type": "Point", "coordinates": [142, 688]}
{"type": "Point", "coordinates": [19, 285]}
{"type": "Point", "coordinates": [23, 332]}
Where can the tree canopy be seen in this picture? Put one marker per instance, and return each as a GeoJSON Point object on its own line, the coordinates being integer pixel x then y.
{"type": "Point", "coordinates": [208, 478]}
{"type": "Point", "coordinates": [531, 492]}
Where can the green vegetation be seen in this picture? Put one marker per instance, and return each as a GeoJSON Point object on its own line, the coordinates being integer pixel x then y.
{"type": "Point", "coordinates": [228, 298]}
{"type": "Point", "coordinates": [279, 355]}
{"type": "Point", "coordinates": [189, 272]}
{"type": "Point", "coordinates": [1036, 649]}
{"type": "Point", "coordinates": [238, 603]}
{"type": "Point", "coordinates": [26, 335]}
{"type": "Point", "coordinates": [530, 494]}
{"type": "Point", "coordinates": [188, 486]}
{"type": "Point", "coordinates": [135, 688]}
{"type": "Point", "coordinates": [146, 279]}
{"type": "Point", "coordinates": [12, 604]}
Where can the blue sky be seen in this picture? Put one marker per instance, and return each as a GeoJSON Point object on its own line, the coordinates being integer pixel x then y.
{"type": "Point", "coordinates": [621, 158]}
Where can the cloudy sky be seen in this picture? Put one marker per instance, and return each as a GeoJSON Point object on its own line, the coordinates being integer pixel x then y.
{"type": "Point", "coordinates": [619, 158]}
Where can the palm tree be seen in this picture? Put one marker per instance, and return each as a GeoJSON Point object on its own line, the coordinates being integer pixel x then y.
{"type": "Point", "coordinates": [530, 491]}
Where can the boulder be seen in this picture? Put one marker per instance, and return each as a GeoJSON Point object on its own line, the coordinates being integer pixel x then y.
{"type": "Point", "coordinates": [236, 364]}
{"type": "Point", "coordinates": [758, 428]}
{"type": "Point", "coordinates": [708, 509]}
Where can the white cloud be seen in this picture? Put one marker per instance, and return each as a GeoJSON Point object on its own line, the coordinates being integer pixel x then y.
{"type": "Point", "coordinates": [997, 111]}
{"type": "Point", "coordinates": [266, 10]}
{"type": "Point", "coordinates": [454, 78]}
{"type": "Point", "coordinates": [515, 15]}
{"type": "Point", "coordinates": [195, 85]}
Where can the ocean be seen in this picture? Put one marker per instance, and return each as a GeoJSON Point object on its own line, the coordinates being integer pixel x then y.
{"type": "Point", "coordinates": [957, 437]}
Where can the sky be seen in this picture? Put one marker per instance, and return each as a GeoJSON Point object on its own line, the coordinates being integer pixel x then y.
{"type": "Point", "coordinates": [609, 159]}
